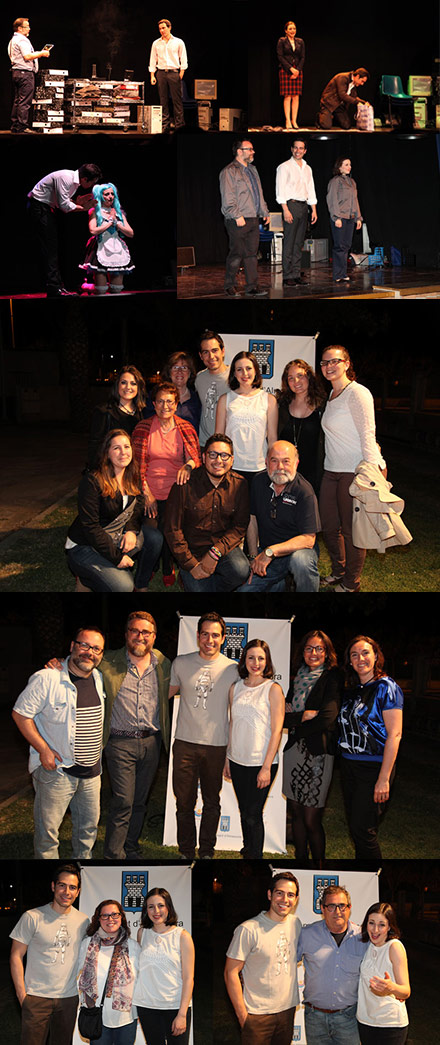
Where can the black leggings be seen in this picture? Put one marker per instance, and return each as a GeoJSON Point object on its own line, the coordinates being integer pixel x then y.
{"type": "Point", "coordinates": [307, 831]}
{"type": "Point", "coordinates": [156, 1025]}
{"type": "Point", "coordinates": [382, 1035]}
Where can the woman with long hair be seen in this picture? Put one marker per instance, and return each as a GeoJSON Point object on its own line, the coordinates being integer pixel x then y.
{"type": "Point", "coordinates": [108, 964]}
{"type": "Point", "coordinates": [123, 409]}
{"type": "Point", "coordinates": [110, 528]}
{"type": "Point", "coordinates": [345, 215]}
{"type": "Point", "coordinates": [312, 706]}
{"type": "Point", "coordinates": [300, 406]}
{"type": "Point", "coordinates": [107, 254]}
{"type": "Point", "coordinates": [256, 705]}
{"type": "Point", "coordinates": [166, 972]}
{"type": "Point", "coordinates": [370, 730]}
{"type": "Point", "coordinates": [383, 980]}
{"type": "Point", "coordinates": [248, 415]}
{"type": "Point", "coordinates": [350, 437]}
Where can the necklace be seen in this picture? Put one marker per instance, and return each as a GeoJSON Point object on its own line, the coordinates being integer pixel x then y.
{"type": "Point", "coordinates": [126, 409]}
{"type": "Point", "coordinates": [296, 437]}
{"type": "Point", "coordinates": [341, 390]}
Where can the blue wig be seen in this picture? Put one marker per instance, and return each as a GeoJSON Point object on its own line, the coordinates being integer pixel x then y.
{"type": "Point", "coordinates": [97, 193]}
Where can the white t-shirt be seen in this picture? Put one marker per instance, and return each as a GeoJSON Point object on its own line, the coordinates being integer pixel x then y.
{"type": "Point", "coordinates": [210, 386]}
{"type": "Point", "coordinates": [204, 688]}
{"type": "Point", "coordinates": [373, 1010]}
{"type": "Point", "coordinates": [53, 942]}
{"type": "Point", "coordinates": [268, 949]}
{"type": "Point", "coordinates": [250, 717]}
{"type": "Point", "coordinates": [246, 425]}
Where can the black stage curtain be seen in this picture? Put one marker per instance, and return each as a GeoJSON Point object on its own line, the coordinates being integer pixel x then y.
{"type": "Point", "coordinates": [397, 178]}
{"type": "Point", "coordinates": [381, 39]}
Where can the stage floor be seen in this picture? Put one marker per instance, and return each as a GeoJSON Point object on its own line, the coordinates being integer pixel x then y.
{"type": "Point", "coordinates": [318, 132]}
{"type": "Point", "coordinates": [207, 281]}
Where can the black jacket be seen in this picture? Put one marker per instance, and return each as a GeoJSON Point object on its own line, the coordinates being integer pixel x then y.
{"type": "Point", "coordinates": [319, 733]}
{"type": "Point", "coordinates": [288, 58]}
{"type": "Point", "coordinates": [95, 512]}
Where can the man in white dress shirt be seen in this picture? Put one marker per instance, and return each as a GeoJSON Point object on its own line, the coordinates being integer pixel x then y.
{"type": "Point", "coordinates": [24, 65]}
{"type": "Point", "coordinates": [295, 190]}
{"type": "Point", "coordinates": [168, 61]}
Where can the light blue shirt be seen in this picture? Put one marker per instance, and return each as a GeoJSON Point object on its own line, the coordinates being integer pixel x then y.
{"type": "Point", "coordinates": [50, 700]}
{"type": "Point", "coordinates": [331, 972]}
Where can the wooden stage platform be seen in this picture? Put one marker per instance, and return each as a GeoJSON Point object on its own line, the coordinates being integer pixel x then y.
{"type": "Point", "coordinates": [205, 281]}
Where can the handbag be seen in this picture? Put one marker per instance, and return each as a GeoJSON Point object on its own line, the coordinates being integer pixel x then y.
{"type": "Point", "coordinates": [90, 1021]}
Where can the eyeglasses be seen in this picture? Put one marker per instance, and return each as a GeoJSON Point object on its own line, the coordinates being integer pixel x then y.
{"type": "Point", "coordinates": [331, 907]}
{"type": "Point", "coordinates": [314, 649]}
{"type": "Point", "coordinates": [110, 917]}
{"type": "Point", "coordinates": [85, 647]}
{"type": "Point", "coordinates": [213, 454]}
{"type": "Point", "coordinates": [179, 368]}
{"type": "Point", "coordinates": [141, 634]}
{"type": "Point", "coordinates": [331, 362]}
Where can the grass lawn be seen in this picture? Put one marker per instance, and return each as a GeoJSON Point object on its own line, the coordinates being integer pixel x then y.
{"type": "Point", "coordinates": [420, 837]}
{"type": "Point", "coordinates": [35, 560]}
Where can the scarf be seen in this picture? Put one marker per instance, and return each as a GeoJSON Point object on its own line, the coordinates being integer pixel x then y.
{"type": "Point", "coordinates": [120, 977]}
{"type": "Point", "coordinates": [303, 684]}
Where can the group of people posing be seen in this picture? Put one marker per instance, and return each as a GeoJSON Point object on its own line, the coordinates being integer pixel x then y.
{"type": "Point", "coordinates": [355, 977]}
{"type": "Point", "coordinates": [230, 722]}
{"type": "Point", "coordinates": [219, 476]}
{"type": "Point", "coordinates": [244, 208]}
{"type": "Point", "coordinates": [57, 952]}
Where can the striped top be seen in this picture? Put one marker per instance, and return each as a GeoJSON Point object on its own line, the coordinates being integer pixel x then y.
{"type": "Point", "coordinates": [88, 729]}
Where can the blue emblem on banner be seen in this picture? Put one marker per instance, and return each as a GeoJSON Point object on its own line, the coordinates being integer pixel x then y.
{"type": "Point", "coordinates": [296, 1034]}
{"type": "Point", "coordinates": [264, 353]}
{"type": "Point", "coordinates": [134, 889]}
{"type": "Point", "coordinates": [235, 640]}
{"type": "Point", "coordinates": [320, 882]}
{"type": "Point", "coordinates": [225, 824]}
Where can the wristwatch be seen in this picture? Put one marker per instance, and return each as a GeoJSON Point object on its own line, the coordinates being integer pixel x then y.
{"type": "Point", "coordinates": [269, 552]}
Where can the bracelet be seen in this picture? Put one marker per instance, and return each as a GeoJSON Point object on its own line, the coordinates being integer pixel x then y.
{"type": "Point", "coordinates": [215, 553]}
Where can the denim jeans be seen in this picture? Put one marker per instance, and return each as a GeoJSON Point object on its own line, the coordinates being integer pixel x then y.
{"type": "Point", "coordinates": [302, 564]}
{"type": "Point", "coordinates": [331, 1028]}
{"type": "Point", "coordinates": [54, 793]}
{"type": "Point", "coordinates": [232, 570]}
{"type": "Point", "coordinates": [98, 573]}
{"type": "Point", "coordinates": [148, 555]}
{"type": "Point", "coordinates": [132, 763]}
{"type": "Point", "coordinates": [118, 1035]}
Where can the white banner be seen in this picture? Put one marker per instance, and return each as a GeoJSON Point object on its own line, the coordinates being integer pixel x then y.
{"type": "Point", "coordinates": [363, 887]}
{"type": "Point", "coordinates": [130, 885]}
{"type": "Point", "coordinates": [273, 352]}
{"type": "Point", "coordinates": [239, 631]}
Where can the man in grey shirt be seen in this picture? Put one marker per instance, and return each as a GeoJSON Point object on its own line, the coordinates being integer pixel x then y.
{"type": "Point", "coordinates": [49, 938]}
{"type": "Point", "coordinates": [212, 382]}
{"type": "Point", "coordinates": [24, 65]}
{"type": "Point", "coordinates": [203, 680]}
{"type": "Point", "coordinates": [243, 204]}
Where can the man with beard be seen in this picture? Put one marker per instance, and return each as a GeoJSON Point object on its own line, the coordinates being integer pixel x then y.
{"type": "Point", "coordinates": [261, 968]}
{"type": "Point", "coordinates": [206, 521]}
{"type": "Point", "coordinates": [243, 204]}
{"type": "Point", "coordinates": [61, 715]}
{"type": "Point", "coordinates": [136, 680]}
{"type": "Point", "coordinates": [283, 525]}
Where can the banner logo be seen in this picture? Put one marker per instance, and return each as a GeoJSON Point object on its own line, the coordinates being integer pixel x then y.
{"type": "Point", "coordinates": [264, 352]}
{"type": "Point", "coordinates": [225, 824]}
{"type": "Point", "coordinates": [320, 882]}
{"type": "Point", "coordinates": [134, 890]}
{"type": "Point", "coordinates": [235, 640]}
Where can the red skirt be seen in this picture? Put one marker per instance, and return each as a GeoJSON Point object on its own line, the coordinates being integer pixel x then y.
{"type": "Point", "coordinates": [289, 85]}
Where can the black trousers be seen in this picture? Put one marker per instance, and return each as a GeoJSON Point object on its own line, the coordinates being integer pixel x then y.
{"type": "Point", "coordinates": [251, 801]}
{"type": "Point", "coordinates": [382, 1035]}
{"type": "Point", "coordinates": [169, 82]}
{"type": "Point", "coordinates": [293, 238]}
{"type": "Point", "coordinates": [340, 117]}
{"type": "Point", "coordinates": [191, 763]}
{"type": "Point", "coordinates": [243, 250]}
{"type": "Point", "coordinates": [23, 82]}
{"type": "Point", "coordinates": [44, 224]}
{"type": "Point", "coordinates": [156, 1025]}
{"type": "Point", "coordinates": [363, 813]}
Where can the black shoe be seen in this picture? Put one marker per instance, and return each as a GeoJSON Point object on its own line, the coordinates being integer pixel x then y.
{"type": "Point", "coordinates": [256, 293]}
{"type": "Point", "coordinates": [300, 280]}
{"type": "Point", "coordinates": [60, 292]}
{"type": "Point", "coordinates": [289, 282]}
{"type": "Point", "coordinates": [231, 292]}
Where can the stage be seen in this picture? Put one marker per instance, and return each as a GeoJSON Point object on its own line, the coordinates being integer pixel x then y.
{"type": "Point", "coordinates": [207, 281]}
